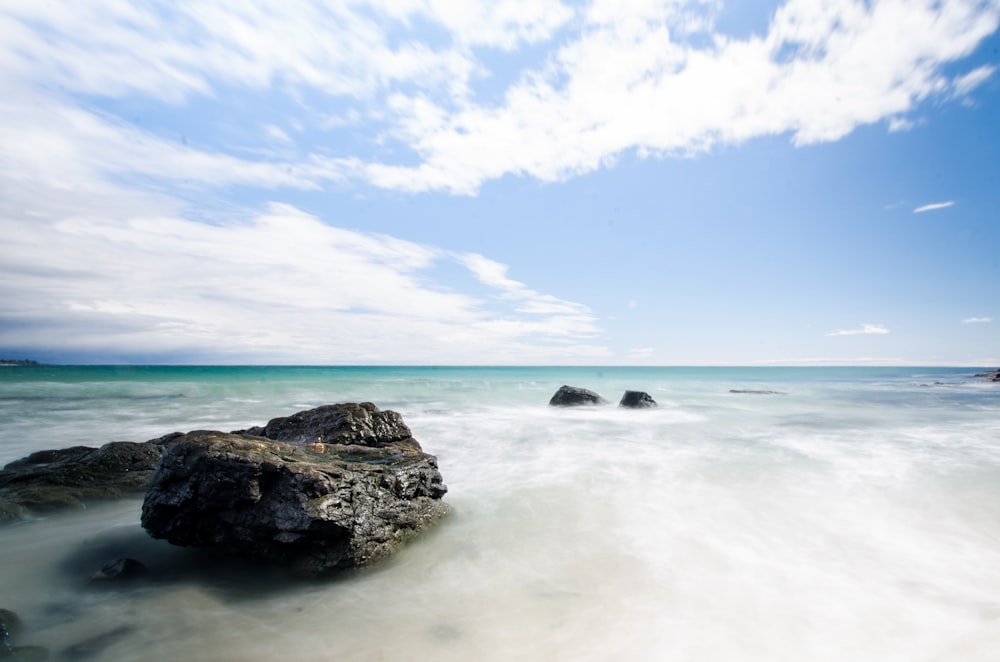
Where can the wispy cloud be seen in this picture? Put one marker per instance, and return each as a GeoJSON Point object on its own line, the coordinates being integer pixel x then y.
{"type": "Point", "coordinates": [977, 320]}
{"type": "Point", "coordinates": [933, 206]}
{"type": "Point", "coordinates": [866, 329]}
{"type": "Point", "coordinates": [281, 286]}
{"type": "Point", "coordinates": [963, 85]}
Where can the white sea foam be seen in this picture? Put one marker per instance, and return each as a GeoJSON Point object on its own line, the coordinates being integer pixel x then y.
{"type": "Point", "coordinates": [842, 521]}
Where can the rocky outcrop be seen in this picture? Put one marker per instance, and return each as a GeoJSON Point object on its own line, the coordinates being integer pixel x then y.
{"type": "Point", "coordinates": [73, 477]}
{"type": "Point", "coordinates": [572, 396]}
{"type": "Point", "coordinates": [992, 375]}
{"type": "Point", "coordinates": [637, 400]}
{"type": "Point", "coordinates": [337, 486]}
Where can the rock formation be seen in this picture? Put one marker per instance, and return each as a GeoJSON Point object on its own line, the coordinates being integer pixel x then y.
{"type": "Point", "coordinates": [571, 396]}
{"type": "Point", "coordinates": [337, 486]}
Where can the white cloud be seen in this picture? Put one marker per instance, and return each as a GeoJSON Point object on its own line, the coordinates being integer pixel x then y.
{"type": "Point", "coordinates": [576, 319]}
{"type": "Point", "coordinates": [977, 320]}
{"type": "Point", "coordinates": [633, 81]}
{"type": "Point", "coordinates": [933, 206]}
{"type": "Point", "coordinates": [280, 287]}
{"type": "Point", "coordinates": [897, 124]}
{"type": "Point", "coordinates": [276, 133]}
{"type": "Point", "coordinates": [640, 353]}
{"type": "Point", "coordinates": [608, 78]}
{"type": "Point", "coordinates": [964, 85]}
{"type": "Point", "coordinates": [866, 329]}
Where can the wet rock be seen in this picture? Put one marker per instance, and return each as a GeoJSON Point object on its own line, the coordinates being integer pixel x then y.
{"type": "Point", "coordinates": [342, 485]}
{"type": "Point", "coordinates": [637, 400]}
{"type": "Point", "coordinates": [348, 423]}
{"type": "Point", "coordinates": [572, 396]}
{"type": "Point", "coordinates": [72, 477]}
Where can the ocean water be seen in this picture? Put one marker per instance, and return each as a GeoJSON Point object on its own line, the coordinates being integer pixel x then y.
{"type": "Point", "coordinates": [846, 514]}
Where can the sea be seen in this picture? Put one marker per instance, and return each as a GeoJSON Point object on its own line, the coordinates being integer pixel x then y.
{"type": "Point", "coordinates": [757, 514]}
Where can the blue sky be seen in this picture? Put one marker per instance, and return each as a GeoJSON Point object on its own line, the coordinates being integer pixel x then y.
{"type": "Point", "coordinates": [512, 182]}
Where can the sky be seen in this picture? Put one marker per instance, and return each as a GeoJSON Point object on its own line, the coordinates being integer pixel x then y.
{"type": "Point", "coordinates": [512, 182]}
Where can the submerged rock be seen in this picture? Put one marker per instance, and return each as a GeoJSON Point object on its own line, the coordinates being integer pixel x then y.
{"type": "Point", "coordinates": [10, 625]}
{"type": "Point", "coordinates": [120, 570]}
{"type": "Point", "coordinates": [332, 487]}
{"type": "Point", "coordinates": [571, 396]}
{"type": "Point", "coordinates": [637, 400]}
{"type": "Point", "coordinates": [52, 479]}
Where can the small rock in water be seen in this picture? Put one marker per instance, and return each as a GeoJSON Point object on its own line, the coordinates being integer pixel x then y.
{"type": "Point", "coordinates": [637, 400]}
{"type": "Point", "coordinates": [992, 375]}
{"type": "Point", "coordinates": [752, 391]}
{"type": "Point", "coordinates": [571, 396]}
{"type": "Point", "coordinates": [10, 623]}
{"type": "Point", "coordinates": [119, 570]}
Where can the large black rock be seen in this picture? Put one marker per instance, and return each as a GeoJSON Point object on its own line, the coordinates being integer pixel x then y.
{"type": "Point", "coordinates": [571, 396]}
{"type": "Point", "coordinates": [337, 486]}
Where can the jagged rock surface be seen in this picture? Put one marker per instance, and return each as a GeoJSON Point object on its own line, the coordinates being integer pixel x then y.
{"type": "Point", "coordinates": [337, 486]}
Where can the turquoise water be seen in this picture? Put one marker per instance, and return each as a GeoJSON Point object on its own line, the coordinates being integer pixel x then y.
{"type": "Point", "coordinates": [850, 513]}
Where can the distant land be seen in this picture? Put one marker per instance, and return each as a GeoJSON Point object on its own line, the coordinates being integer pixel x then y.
{"type": "Point", "coordinates": [18, 362]}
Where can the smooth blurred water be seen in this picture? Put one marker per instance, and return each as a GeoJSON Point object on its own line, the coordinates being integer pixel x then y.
{"type": "Point", "coordinates": [852, 515]}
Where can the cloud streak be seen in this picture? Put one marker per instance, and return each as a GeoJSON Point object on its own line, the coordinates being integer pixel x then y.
{"type": "Point", "coordinates": [281, 287]}
{"type": "Point", "coordinates": [865, 330]}
{"type": "Point", "coordinates": [977, 320]}
{"type": "Point", "coordinates": [933, 206]}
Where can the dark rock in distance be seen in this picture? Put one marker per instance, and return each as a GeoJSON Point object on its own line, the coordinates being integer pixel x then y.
{"type": "Point", "coordinates": [73, 477]}
{"type": "Point", "coordinates": [637, 400]}
{"type": "Point", "coordinates": [571, 396]}
{"type": "Point", "coordinates": [992, 375]}
{"type": "Point", "coordinates": [343, 486]}
{"type": "Point", "coordinates": [751, 391]}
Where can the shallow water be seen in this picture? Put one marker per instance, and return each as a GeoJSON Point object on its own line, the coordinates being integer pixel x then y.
{"type": "Point", "coordinates": [852, 516]}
